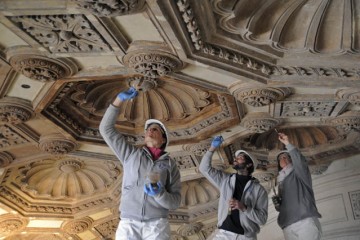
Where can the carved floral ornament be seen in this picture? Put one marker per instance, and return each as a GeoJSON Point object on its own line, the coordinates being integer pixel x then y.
{"type": "Point", "coordinates": [111, 7]}
{"type": "Point", "coordinates": [42, 68]}
{"type": "Point", "coordinates": [190, 229]}
{"type": "Point", "coordinates": [152, 63]}
{"type": "Point", "coordinates": [56, 144]}
{"type": "Point", "coordinates": [259, 97]}
{"type": "Point", "coordinates": [346, 122]}
{"type": "Point", "coordinates": [11, 223]}
{"type": "Point", "coordinates": [259, 122]}
{"type": "Point", "coordinates": [198, 149]}
{"type": "Point", "coordinates": [15, 110]}
{"type": "Point", "coordinates": [78, 226]}
{"type": "Point", "coordinates": [71, 33]}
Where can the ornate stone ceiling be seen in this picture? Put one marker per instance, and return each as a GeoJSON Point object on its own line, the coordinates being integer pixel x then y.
{"type": "Point", "coordinates": [236, 68]}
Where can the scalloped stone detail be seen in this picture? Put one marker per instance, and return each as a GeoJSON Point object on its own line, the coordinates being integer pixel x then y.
{"type": "Point", "coordinates": [197, 192]}
{"type": "Point", "coordinates": [302, 137]}
{"type": "Point", "coordinates": [67, 178]}
{"type": "Point", "coordinates": [163, 100]}
{"type": "Point", "coordinates": [5, 159]}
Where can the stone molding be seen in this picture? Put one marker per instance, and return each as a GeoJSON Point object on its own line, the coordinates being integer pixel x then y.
{"type": "Point", "coordinates": [10, 137]}
{"type": "Point", "coordinates": [310, 108]}
{"type": "Point", "coordinates": [346, 122]}
{"type": "Point", "coordinates": [5, 159]}
{"type": "Point", "coordinates": [352, 95]}
{"type": "Point", "coordinates": [248, 63]}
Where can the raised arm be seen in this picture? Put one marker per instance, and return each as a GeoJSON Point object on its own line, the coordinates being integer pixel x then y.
{"type": "Point", "coordinates": [213, 175]}
{"type": "Point", "coordinates": [113, 138]}
{"type": "Point", "coordinates": [299, 161]}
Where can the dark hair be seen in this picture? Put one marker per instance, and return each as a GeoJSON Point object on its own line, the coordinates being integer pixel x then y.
{"type": "Point", "coordinates": [248, 160]}
{"type": "Point", "coordinates": [163, 146]}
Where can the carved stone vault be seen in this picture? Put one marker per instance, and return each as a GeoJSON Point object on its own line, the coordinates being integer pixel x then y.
{"type": "Point", "coordinates": [238, 69]}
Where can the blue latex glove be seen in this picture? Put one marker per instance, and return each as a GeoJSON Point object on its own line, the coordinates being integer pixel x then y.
{"type": "Point", "coordinates": [216, 142]}
{"type": "Point", "coordinates": [150, 190]}
{"type": "Point", "coordinates": [128, 94]}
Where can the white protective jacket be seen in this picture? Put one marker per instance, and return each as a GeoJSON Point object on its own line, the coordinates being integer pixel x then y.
{"type": "Point", "coordinates": [137, 163]}
{"type": "Point", "coordinates": [254, 197]}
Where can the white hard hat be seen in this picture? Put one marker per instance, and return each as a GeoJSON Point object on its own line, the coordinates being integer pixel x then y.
{"type": "Point", "coordinates": [255, 163]}
{"type": "Point", "coordinates": [155, 121]}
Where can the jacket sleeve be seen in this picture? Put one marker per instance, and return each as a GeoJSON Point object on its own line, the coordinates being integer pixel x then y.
{"type": "Point", "coordinates": [259, 212]}
{"type": "Point", "coordinates": [113, 138]}
{"type": "Point", "coordinates": [213, 175]}
{"type": "Point", "coordinates": [300, 164]}
{"type": "Point", "coordinates": [170, 198]}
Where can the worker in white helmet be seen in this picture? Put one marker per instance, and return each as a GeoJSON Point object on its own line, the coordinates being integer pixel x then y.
{"type": "Point", "coordinates": [243, 201]}
{"type": "Point", "coordinates": [298, 215]}
{"type": "Point", "coordinates": [151, 179]}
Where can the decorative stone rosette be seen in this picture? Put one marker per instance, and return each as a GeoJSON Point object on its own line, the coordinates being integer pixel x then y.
{"type": "Point", "coordinates": [78, 226]}
{"type": "Point", "coordinates": [56, 144]}
{"type": "Point", "coordinates": [15, 110]}
{"type": "Point", "coordinates": [109, 8]}
{"type": "Point", "coordinates": [152, 61]}
{"type": "Point", "coordinates": [11, 223]}
{"type": "Point", "coordinates": [42, 68]}
{"type": "Point", "coordinates": [198, 149]}
{"type": "Point", "coordinates": [259, 97]}
{"type": "Point", "coordinates": [259, 122]}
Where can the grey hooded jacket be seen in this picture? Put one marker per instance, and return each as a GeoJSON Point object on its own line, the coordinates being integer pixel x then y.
{"type": "Point", "coordinates": [254, 197]}
{"type": "Point", "coordinates": [137, 163]}
{"type": "Point", "coordinates": [296, 192]}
